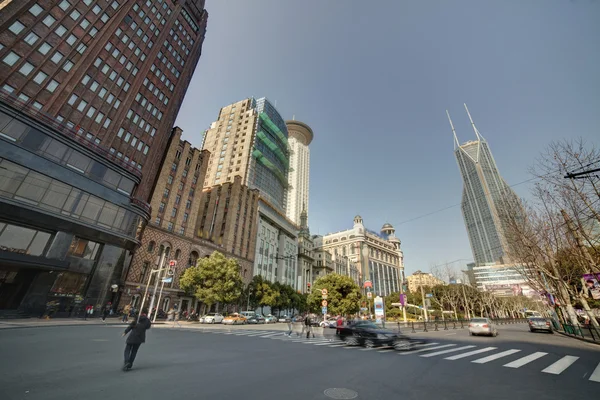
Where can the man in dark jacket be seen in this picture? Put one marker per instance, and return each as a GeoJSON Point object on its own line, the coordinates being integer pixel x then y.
{"type": "Point", "coordinates": [137, 336]}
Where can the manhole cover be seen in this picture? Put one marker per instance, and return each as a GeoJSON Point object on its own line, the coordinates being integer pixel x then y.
{"type": "Point", "coordinates": [341, 393]}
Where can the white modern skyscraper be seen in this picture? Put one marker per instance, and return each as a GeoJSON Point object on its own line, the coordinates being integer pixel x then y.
{"type": "Point", "coordinates": [484, 191]}
{"type": "Point", "coordinates": [299, 137]}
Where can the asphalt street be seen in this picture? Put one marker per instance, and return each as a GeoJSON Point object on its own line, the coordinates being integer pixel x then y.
{"type": "Point", "coordinates": [258, 362]}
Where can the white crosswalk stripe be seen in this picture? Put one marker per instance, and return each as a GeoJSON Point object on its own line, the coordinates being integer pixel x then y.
{"type": "Point", "coordinates": [560, 365]}
{"type": "Point", "coordinates": [496, 356]}
{"type": "Point", "coordinates": [525, 360]}
{"type": "Point", "coordinates": [595, 377]}
{"type": "Point", "coordinates": [470, 353]}
{"type": "Point", "coordinates": [405, 353]}
{"type": "Point", "coordinates": [439, 353]}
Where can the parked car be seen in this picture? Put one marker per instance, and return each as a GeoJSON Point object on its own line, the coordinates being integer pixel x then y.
{"type": "Point", "coordinates": [482, 326]}
{"type": "Point", "coordinates": [256, 319]}
{"type": "Point", "coordinates": [247, 314]}
{"type": "Point", "coordinates": [234, 319]}
{"type": "Point", "coordinates": [539, 324]}
{"type": "Point", "coordinates": [366, 333]}
{"type": "Point", "coordinates": [284, 318]}
{"type": "Point", "coordinates": [202, 319]}
{"type": "Point", "coordinates": [213, 318]}
{"type": "Point", "coordinates": [270, 319]}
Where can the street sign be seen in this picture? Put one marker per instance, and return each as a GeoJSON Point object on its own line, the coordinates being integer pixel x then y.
{"type": "Point", "coordinates": [363, 309]}
{"type": "Point", "coordinates": [172, 263]}
{"type": "Point", "coordinates": [428, 303]}
{"type": "Point", "coordinates": [324, 292]}
{"type": "Point", "coordinates": [369, 295]}
{"type": "Point", "coordinates": [324, 303]}
{"type": "Point", "coordinates": [324, 296]}
{"type": "Point", "coordinates": [368, 284]}
{"type": "Point", "coordinates": [324, 310]}
{"type": "Point", "coordinates": [378, 304]}
{"type": "Point", "coordinates": [167, 280]}
{"type": "Point", "coordinates": [428, 295]}
{"type": "Point", "coordinates": [402, 299]}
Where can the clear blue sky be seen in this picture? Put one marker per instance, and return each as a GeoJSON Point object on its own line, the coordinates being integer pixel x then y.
{"type": "Point", "coordinates": [373, 79]}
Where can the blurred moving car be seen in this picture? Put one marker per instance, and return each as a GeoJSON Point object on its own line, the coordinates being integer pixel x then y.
{"type": "Point", "coordinates": [270, 319]}
{"type": "Point", "coordinates": [213, 318]}
{"type": "Point", "coordinates": [284, 318]}
{"type": "Point", "coordinates": [255, 319]}
{"type": "Point", "coordinates": [366, 333]}
{"type": "Point", "coordinates": [482, 326]}
{"type": "Point", "coordinates": [539, 324]}
{"type": "Point", "coordinates": [234, 319]}
{"type": "Point", "coordinates": [328, 323]}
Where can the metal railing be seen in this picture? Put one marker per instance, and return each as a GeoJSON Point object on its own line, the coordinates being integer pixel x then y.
{"type": "Point", "coordinates": [586, 332]}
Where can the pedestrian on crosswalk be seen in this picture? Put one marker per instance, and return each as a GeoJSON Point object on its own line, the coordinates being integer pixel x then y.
{"type": "Point", "coordinates": [290, 326]}
{"type": "Point", "coordinates": [137, 336]}
{"type": "Point", "coordinates": [308, 325]}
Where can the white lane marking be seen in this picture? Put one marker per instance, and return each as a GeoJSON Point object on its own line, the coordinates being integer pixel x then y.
{"type": "Point", "coordinates": [525, 360]}
{"type": "Point", "coordinates": [386, 351]}
{"type": "Point", "coordinates": [314, 342]}
{"type": "Point", "coordinates": [257, 334]}
{"type": "Point", "coordinates": [270, 335]}
{"type": "Point", "coordinates": [337, 345]}
{"type": "Point", "coordinates": [425, 344]}
{"type": "Point", "coordinates": [495, 356]}
{"type": "Point", "coordinates": [324, 343]}
{"type": "Point", "coordinates": [559, 366]}
{"type": "Point", "coordinates": [470, 353]}
{"type": "Point", "coordinates": [595, 377]}
{"type": "Point", "coordinates": [449, 334]}
{"type": "Point", "coordinates": [405, 353]}
{"type": "Point", "coordinates": [352, 347]}
{"type": "Point", "coordinates": [368, 349]}
{"type": "Point", "coordinates": [438, 353]}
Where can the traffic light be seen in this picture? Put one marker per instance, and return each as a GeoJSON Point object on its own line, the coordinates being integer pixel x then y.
{"type": "Point", "coordinates": [308, 287]}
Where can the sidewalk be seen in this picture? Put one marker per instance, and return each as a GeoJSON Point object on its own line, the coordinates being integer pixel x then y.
{"type": "Point", "coordinates": [41, 323]}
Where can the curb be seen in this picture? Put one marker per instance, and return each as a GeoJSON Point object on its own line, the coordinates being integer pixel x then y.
{"type": "Point", "coordinates": [2, 327]}
{"type": "Point", "coordinates": [578, 338]}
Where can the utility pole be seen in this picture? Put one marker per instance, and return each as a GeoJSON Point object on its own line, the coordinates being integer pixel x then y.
{"type": "Point", "coordinates": [158, 277]}
{"type": "Point", "coordinates": [423, 297]}
{"type": "Point", "coordinates": [405, 300]}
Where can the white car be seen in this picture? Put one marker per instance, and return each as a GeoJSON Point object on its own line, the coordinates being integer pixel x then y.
{"type": "Point", "coordinates": [213, 318]}
{"type": "Point", "coordinates": [482, 326]}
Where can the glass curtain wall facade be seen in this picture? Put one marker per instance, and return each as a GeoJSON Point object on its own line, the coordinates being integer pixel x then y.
{"type": "Point", "coordinates": [269, 164]}
{"type": "Point", "coordinates": [484, 190]}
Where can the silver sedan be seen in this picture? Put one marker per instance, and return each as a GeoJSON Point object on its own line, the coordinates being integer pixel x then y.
{"type": "Point", "coordinates": [482, 326]}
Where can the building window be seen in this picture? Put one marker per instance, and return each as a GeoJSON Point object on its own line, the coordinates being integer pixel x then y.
{"type": "Point", "coordinates": [84, 248]}
{"type": "Point", "coordinates": [145, 268]}
{"type": "Point", "coordinates": [151, 246]}
{"type": "Point", "coordinates": [22, 240]}
{"type": "Point", "coordinates": [170, 227]}
{"type": "Point", "coordinates": [11, 58]}
{"type": "Point", "coordinates": [16, 27]}
{"type": "Point", "coordinates": [26, 68]}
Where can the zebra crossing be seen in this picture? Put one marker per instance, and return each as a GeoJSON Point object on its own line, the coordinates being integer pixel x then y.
{"type": "Point", "coordinates": [446, 351]}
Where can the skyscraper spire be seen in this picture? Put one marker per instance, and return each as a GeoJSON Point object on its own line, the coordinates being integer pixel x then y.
{"type": "Point", "coordinates": [479, 137]}
{"type": "Point", "coordinates": [453, 131]}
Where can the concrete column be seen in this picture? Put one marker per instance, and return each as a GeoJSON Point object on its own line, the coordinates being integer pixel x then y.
{"type": "Point", "coordinates": [59, 248]}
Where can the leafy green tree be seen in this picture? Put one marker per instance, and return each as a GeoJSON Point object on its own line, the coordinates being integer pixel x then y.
{"type": "Point", "coordinates": [343, 295]}
{"type": "Point", "coordinates": [212, 280]}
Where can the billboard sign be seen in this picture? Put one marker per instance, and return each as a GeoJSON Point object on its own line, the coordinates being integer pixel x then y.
{"type": "Point", "coordinates": [402, 299]}
{"type": "Point", "coordinates": [378, 305]}
{"type": "Point", "coordinates": [592, 285]}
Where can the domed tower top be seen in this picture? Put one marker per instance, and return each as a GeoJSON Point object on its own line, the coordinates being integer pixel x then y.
{"type": "Point", "coordinates": [358, 220]}
{"type": "Point", "coordinates": [388, 229]}
{"type": "Point", "coordinates": [300, 131]}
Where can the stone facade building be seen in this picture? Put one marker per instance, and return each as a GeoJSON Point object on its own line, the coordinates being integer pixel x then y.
{"type": "Point", "coordinates": [378, 256]}
{"type": "Point", "coordinates": [421, 279]}
{"type": "Point", "coordinates": [188, 223]}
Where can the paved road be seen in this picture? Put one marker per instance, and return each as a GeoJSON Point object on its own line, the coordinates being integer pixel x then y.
{"type": "Point", "coordinates": [83, 362]}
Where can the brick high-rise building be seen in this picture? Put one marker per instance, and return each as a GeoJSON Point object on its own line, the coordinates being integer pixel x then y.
{"type": "Point", "coordinates": [188, 223]}
{"type": "Point", "coordinates": [89, 91]}
{"type": "Point", "coordinates": [116, 71]}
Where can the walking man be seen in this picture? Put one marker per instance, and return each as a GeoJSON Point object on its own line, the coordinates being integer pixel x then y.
{"type": "Point", "coordinates": [137, 336]}
{"type": "Point", "coordinates": [290, 326]}
{"type": "Point", "coordinates": [307, 322]}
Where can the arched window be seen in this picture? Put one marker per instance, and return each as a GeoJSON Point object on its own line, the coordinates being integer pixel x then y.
{"type": "Point", "coordinates": [177, 254]}
{"type": "Point", "coordinates": [151, 246]}
{"type": "Point", "coordinates": [344, 250]}
{"type": "Point", "coordinates": [193, 258]}
{"type": "Point", "coordinates": [166, 303]}
{"type": "Point", "coordinates": [135, 301]}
